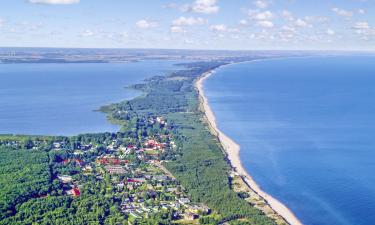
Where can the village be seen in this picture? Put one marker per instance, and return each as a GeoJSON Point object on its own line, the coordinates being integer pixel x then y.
{"type": "Point", "coordinates": [134, 171]}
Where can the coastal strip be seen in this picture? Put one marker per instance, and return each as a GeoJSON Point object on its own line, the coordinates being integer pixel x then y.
{"type": "Point", "coordinates": [232, 150]}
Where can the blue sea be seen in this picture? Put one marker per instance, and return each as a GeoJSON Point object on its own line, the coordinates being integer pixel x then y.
{"type": "Point", "coordinates": [61, 99]}
{"type": "Point", "coordinates": [307, 132]}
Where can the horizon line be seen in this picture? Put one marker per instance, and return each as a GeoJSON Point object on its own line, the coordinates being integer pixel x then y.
{"type": "Point", "coordinates": [193, 49]}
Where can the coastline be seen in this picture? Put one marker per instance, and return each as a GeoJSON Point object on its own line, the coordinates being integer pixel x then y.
{"type": "Point", "coordinates": [232, 150]}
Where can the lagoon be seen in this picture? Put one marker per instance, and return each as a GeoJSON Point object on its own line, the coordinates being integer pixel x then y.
{"type": "Point", "coordinates": [61, 99]}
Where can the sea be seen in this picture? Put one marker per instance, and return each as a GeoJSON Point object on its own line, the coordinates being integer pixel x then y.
{"type": "Point", "coordinates": [306, 127]}
{"type": "Point", "coordinates": [63, 98]}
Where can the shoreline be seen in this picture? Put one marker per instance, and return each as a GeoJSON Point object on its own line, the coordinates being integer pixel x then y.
{"type": "Point", "coordinates": [232, 150]}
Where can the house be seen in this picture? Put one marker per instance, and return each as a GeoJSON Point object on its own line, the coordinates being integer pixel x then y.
{"type": "Point", "coordinates": [111, 161]}
{"type": "Point", "coordinates": [86, 147]}
{"type": "Point", "coordinates": [132, 146]}
{"type": "Point", "coordinates": [120, 186]}
{"type": "Point", "coordinates": [184, 201]}
{"type": "Point", "coordinates": [78, 152]}
{"type": "Point", "coordinates": [199, 209]}
{"type": "Point", "coordinates": [65, 178]}
{"type": "Point", "coordinates": [134, 214]}
{"type": "Point", "coordinates": [57, 145]}
{"type": "Point", "coordinates": [160, 120]}
{"type": "Point", "coordinates": [160, 177]}
{"type": "Point", "coordinates": [126, 200]}
{"type": "Point", "coordinates": [173, 144]}
{"type": "Point", "coordinates": [115, 169]}
{"type": "Point", "coordinates": [172, 189]}
{"type": "Point", "coordinates": [153, 144]}
{"type": "Point", "coordinates": [136, 180]}
{"type": "Point", "coordinates": [75, 192]}
{"type": "Point", "coordinates": [78, 162]}
{"type": "Point", "coordinates": [87, 168]}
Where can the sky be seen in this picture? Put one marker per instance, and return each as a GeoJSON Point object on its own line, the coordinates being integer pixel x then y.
{"type": "Point", "coordinates": [190, 24]}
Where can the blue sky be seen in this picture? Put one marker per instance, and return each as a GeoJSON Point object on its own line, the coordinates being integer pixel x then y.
{"type": "Point", "coordinates": [191, 24]}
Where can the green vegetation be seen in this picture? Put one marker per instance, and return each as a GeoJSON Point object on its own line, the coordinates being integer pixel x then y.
{"type": "Point", "coordinates": [92, 207]}
{"type": "Point", "coordinates": [30, 194]}
{"type": "Point", "coordinates": [23, 175]}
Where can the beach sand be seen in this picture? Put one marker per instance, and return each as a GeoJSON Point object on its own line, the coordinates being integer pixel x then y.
{"type": "Point", "coordinates": [233, 153]}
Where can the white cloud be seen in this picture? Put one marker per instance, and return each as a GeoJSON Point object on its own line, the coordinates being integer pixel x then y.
{"type": "Point", "coordinates": [286, 35]}
{"type": "Point", "coordinates": [177, 29]}
{"type": "Point", "coordinates": [1, 22]}
{"type": "Point", "coordinates": [361, 11]}
{"type": "Point", "coordinates": [316, 19]}
{"type": "Point", "coordinates": [218, 27]}
{"type": "Point", "coordinates": [288, 29]}
{"type": "Point", "coordinates": [365, 31]}
{"type": "Point", "coordinates": [190, 21]}
{"type": "Point", "coordinates": [261, 4]}
{"type": "Point", "coordinates": [204, 6]}
{"type": "Point", "coordinates": [55, 2]}
{"type": "Point", "coordinates": [343, 12]}
{"type": "Point", "coordinates": [87, 33]}
{"type": "Point", "coordinates": [243, 22]}
{"type": "Point", "coordinates": [145, 24]}
{"type": "Point", "coordinates": [267, 15]}
{"type": "Point", "coordinates": [300, 23]}
{"type": "Point", "coordinates": [265, 24]}
{"type": "Point", "coordinates": [330, 32]}
{"type": "Point", "coordinates": [361, 26]}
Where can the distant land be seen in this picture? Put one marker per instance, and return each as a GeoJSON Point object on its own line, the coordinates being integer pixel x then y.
{"type": "Point", "coordinates": [76, 55]}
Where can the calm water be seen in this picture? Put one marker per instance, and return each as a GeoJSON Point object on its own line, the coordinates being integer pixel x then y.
{"type": "Point", "coordinates": [60, 99]}
{"type": "Point", "coordinates": [307, 132]}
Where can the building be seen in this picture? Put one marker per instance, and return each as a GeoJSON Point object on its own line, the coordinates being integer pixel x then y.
{"type": "Point", "coordinates": [136, 180]}
{"type": "Point", "coordinates": [65, 178]}
{"type": "Point", "coordinates": [115, 169]}
{"type": "Point", "coordinates": [75, 192]}
{"type": "Point", "coordinates": [184, 201]}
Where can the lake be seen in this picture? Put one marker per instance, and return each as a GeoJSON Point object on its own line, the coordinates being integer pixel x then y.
{"type": "Point", "coordinates": [61, 99]}
{"type": "Point", "coordinates": [306, 129]}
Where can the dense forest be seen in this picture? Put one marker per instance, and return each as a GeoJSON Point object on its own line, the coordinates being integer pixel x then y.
{"type": "Point", "coordinates": [23, 174]}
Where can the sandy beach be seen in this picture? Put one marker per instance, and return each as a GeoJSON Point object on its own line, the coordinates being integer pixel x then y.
{"type": "Point", "coordinates": [233, 152]}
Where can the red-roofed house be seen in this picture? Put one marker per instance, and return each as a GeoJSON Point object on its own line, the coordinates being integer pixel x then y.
{"type": "Point", "coordinates": [76, 192]}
